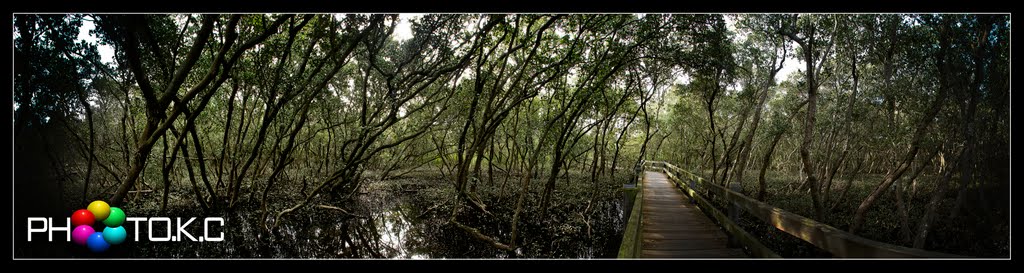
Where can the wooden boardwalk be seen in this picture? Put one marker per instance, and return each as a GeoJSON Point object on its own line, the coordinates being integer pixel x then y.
{"type": "Point", "coordinates": [673, 227]}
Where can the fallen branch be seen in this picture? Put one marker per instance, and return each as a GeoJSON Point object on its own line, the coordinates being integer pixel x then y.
{"type": "Point", "coordinates": [586, 220]}
{"type": "Point", "coordinates": [476, 234]}
{"type": "Point", "coordinates": [430, 209]}
{"type": "Point", "coordinates": [474, 200]}
{"type": "Point", "coordinates": [340, 209]}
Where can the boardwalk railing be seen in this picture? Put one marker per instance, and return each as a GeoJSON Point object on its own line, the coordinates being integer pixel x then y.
{"type": "Point", "coordinates": [631, 241]}
{"type": "Point", "coordinates": [839, 243]}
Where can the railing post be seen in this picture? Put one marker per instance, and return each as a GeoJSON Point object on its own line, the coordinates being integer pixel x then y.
{"type": "Point", "coordinates": [693, 187]}
{"type": "Point", "coordinates": [629, 190]}
{"type": "Point", "coordinates": [631, 240]}
{"type": "Point", "coordinates": [628, 197]}
{"type": "Point", "coordinates": [734, 213]}
{"type": "Point", "coordinates": [638, 245]}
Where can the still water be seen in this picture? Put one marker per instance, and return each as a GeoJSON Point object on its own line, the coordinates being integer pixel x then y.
{"type": "Point", "coordinates": [390, 225]}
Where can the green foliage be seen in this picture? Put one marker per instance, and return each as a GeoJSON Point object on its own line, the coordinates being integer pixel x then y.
{"type": "Point", "coordinates": [52, 69]}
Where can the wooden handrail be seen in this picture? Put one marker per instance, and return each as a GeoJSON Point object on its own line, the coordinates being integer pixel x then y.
{"type": "Point", "coordinates": [631, 241]}
{"type": "Point", "coordinates": [838, 242]}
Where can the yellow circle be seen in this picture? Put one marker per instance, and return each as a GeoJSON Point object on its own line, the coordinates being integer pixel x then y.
{"type": "Point", "coordinates": [99, 209]}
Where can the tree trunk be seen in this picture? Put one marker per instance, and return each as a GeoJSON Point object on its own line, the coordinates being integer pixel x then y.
{"type": "Point", "coordinates": [922, 128]}
{"type": "Point", "coordinates": [827, 189]}
{"type": "Point", "coordinates": [778, 61]}
{"type": "Point", "coordinates": [767, 161]}
{"type": "Point", "coordinates": [138, 164]}
{"type": "Point", "coordinates": [166, 168]}
{"type": "Point", "coordinates": [283, 157]}
{"type": "Point", "coordinates": [849, 183]}
{"type": "Point", "coordinates": [931, 209]}
{"type": "Point", "coordinates": [969, 126]}
{"type": "Point", "coordinates": [490, 165]}
{"type": "Point", "coordinates": [714, 137]}
{"type": "Point", "coordinates": [192, 180]}
{"type": "Point", "coordinates": [227, 132]}
{"type": "Point", "coordinates": [622, 137]}
{"type": "Point", "coordinates": [556, 168]}
{"type": "Point", "coordinates": [201, 161]}
{"type": "Point", "coordinates": [748, 142]}
{"type": "Point", "coordinates": [92, 146]}
{"type": "Point", "coordinates": [901, 208]}
{"type": "Point", "coordinates": [805, 145]}
{"type": "Point", "coordinates": [727, 159]}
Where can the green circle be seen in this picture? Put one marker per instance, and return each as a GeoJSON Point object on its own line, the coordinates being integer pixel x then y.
{"type": "Point", "coordinates": [116, 217]}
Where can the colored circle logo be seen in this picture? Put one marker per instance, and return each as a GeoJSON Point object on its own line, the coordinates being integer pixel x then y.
{"type": "Point", "coordinates": [98, 241]}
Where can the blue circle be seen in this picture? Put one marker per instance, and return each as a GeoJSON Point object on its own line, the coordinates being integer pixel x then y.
{"type": "Point", "coordinates": [96, 242]}
{"type": "Point", "coordinates": [114, 235]}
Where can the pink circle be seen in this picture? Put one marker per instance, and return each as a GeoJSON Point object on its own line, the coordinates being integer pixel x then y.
{"type": "Point", "coordinates": [81, 234]}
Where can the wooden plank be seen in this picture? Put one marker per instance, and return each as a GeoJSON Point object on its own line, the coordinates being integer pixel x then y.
{"type": "Point", "coordinates": [674, 213]}
{"type": "Point", "coordinates": [679, 206]}
{"type": "Point", "coordinates": [675, 221]}
{"type": "Point", "coordinates": [660, 193]}
{"type": "Point", "coordinates": [682, 227]}
{"type": "Point", "coordinates": [670, 221]}
{"type": "Point", "coordinates": [696, 230]}
{"type": "Point", "coordinates": [658, 224]}
{"type": "Point", "coordinates": [699, 253]}
{"type": "Point", "coordinates": [669, 203]}
{"type": "Point", "coordinates": [658, 212]}
{"type": "Point", "coordinates": [683, 244]}
{"type": "Point", "coordinates": [684, 235]}
{"type": "Point", "coordinates": [665, 200]}
{"type": "Point", "coordinates": [685, 218]}
{"type": "Point", "coordinates": [677, 225]}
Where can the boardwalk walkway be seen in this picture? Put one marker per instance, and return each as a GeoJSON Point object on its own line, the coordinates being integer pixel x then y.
{"type": "Point", "coordinates": [672, 227]}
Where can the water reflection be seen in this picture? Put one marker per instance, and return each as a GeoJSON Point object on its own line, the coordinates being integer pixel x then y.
{"type": "Point", "coordinates": [398, 235]}
{"type": "Point", "coordinates": [387, 232]}
{"type": "Point", "coordinates": [389, 226]}
{"type": "Point", "coordinates": [381, 231]}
